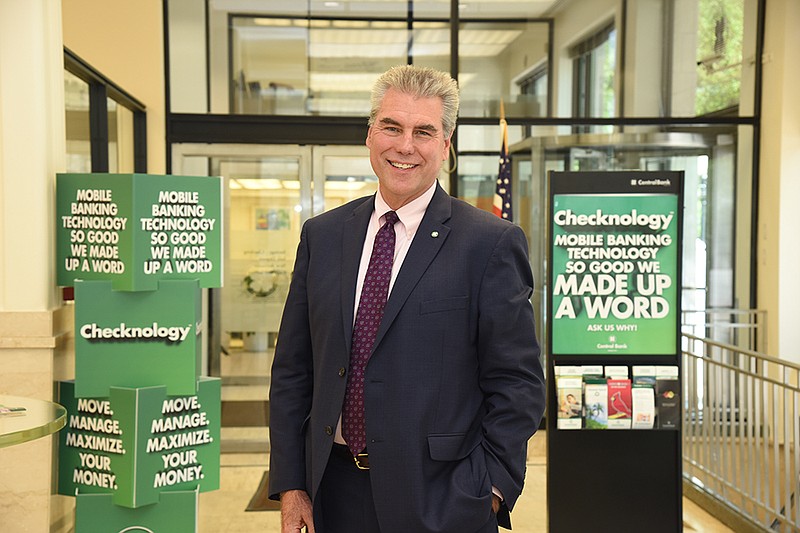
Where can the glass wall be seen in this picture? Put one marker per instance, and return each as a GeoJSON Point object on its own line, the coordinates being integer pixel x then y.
{"type": "Point", "coordinates": [104, 124]}
{"type": "Point", "coordinates": [720, 47]}
{"type": "Point", "coordinates": [314, 66]}
{"type": "Point", "coordinates": [594, 67]}
{"type": "Point", "coordinates": [119, 133]}
{"type": "Point", "coordinates": [495, 60]}
{"type": "Point", "coordinates": [584, 85]}
{"type": "Point", "coordinates": [713, 162]}
{"type": "Point", "coordinates": [120, 137]}
{"type": "Point", "coordinates": [270, 192]}
{"type": "Point", "coordinates": [671, 58]}
{"type": "Point", "coordinates": [297, 66]}
{"type": "Point", "coordinates": [76, 104]}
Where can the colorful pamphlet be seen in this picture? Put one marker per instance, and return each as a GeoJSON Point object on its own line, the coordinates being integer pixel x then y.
{"type": "Point", "coordinates": [620, 411]}
{"type": "Point", "coordinates": [619, 397]}
{"type": "Point", "coordinates": [596, 403]}
{"type": "Point", "coordinates": [570, 409]}
{"type": "Point", "coordinates": [643, 396]}
{"type": "Point", "coordinates": [644, 376]}
{"type": "Point", "coordinates": [644, 407]}
{"type": "Point", "coordinates": [668, 394]}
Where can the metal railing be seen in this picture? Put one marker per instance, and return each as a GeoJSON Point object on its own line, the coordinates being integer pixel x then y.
{"type": "Point", "coordinates": [741, 425]}
{"type": "Point", "coordinates": [745, 328]}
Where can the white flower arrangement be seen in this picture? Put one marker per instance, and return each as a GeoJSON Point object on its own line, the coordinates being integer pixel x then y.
{"type": "Point", "coordinates": [260, 283]}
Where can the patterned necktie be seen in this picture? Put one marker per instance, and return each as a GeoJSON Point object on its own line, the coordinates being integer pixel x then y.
{"type": "Point", "coordinates": [368, 318]}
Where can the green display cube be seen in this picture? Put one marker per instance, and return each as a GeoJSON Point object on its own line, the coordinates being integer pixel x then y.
{"type": "Point", "coordinates": [137, 443]}
{"type": "Point", "coordinates": [137, 339]}
{"type": "Point", "coordinates": [176, 512]}
{"type": "Point", "coordinates": [137, 229]}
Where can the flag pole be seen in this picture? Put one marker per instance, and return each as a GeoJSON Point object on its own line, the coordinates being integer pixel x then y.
{"type": "Point", "coordinates": [501, 203]}
{"type": "Point", "coordinates": [503, 125]}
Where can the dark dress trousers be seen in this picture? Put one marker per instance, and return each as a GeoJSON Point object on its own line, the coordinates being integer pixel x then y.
{"type": "Point", "coordinates": [454, 388]}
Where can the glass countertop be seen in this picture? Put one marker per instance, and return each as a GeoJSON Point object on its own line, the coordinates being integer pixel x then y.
{"type": "Point", "coordinates": [40, 418]}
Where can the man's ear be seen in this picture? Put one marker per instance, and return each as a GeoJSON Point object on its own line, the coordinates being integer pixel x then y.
{"type": "Point", "coordinates": [446, 151]}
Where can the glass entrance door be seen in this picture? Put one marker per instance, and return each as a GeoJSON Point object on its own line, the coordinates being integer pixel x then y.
{"type": "Point", "coordinates": [270, 191]}
{"type": "Point", "coordinates": [714, 254]}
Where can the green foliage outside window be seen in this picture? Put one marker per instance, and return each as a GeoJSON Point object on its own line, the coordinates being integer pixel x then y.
{"type": "Point", "coordinates": [719, 55]}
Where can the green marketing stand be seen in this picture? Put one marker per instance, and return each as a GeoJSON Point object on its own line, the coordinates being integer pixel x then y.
{"type": "Point", "coordinates": [143, 425]}
{"type": "Point", "coordinates": [613, 339]}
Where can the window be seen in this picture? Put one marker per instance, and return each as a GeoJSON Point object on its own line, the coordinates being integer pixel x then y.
{"type": "Point", "coordinates": [105, 126]}
{"type": "Point", "coordinates": [535, 85]}
{"type": "Point", "coordinates": [490, 56]}
{"type": "Point", "coordinates": [720, 32]}
{"type": "Point", "coordinates": [319, 66]}
{"type": "Point", "coordinates": [76, 103]}
{"type": "Point", "coordinates": [593, 68]}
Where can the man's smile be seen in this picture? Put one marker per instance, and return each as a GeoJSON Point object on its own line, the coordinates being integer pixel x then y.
{"type": "Point", "coordinates": [402, 166]}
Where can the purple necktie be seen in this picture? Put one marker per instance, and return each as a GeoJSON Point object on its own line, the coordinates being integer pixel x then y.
{"type": "Point", "coordinates": [368, 318]}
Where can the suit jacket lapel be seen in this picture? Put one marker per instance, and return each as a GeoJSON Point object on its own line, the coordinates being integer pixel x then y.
{"type": "Point", "coordinates": [354, 232]}
{"type": "Point", "coordinates": [423, 250]}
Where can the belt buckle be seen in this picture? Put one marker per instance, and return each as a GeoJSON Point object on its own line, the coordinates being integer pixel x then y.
{"type": "Point", "coordinates": [362, 461]}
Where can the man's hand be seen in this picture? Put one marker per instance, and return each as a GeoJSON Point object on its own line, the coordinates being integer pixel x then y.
{"type": "Point", "coordinates": [296, 512]}
{"type": "Point", "coordinates": [495, 503]}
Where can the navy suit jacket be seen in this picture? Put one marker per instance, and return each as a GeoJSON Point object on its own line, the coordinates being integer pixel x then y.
{"type": "Point", "coordinates": [454, 388]}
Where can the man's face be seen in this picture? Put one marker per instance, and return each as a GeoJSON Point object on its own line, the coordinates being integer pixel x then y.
{"type": "Point", "coordinates": [407, 146]}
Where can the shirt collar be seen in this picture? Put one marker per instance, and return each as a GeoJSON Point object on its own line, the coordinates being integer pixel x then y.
{"type": "Point", "coordinates": [411, 214]}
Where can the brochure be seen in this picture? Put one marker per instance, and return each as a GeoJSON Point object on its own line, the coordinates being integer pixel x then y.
{"type": "Point", "coordinates": [644, 407]}
{"type": "Point", "coordinates": [569, 402]}
{"type": "Point", "coordinates": [668, 393]}
{"type": "Point", "coordinates": [10, 410]}
{"type": "Point", "coordinates": [596, 400]}
{"type": "Point", "coordinates": [619, 404]}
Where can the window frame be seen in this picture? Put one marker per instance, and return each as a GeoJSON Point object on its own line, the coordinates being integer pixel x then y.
{"type": "Point", "coordinates": [583, 72]}
{"type": "Point", "coordinates": [100, 90]}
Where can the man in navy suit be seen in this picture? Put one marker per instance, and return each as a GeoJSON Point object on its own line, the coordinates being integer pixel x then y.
{"type": "Point", "coordinates": [453, 388]}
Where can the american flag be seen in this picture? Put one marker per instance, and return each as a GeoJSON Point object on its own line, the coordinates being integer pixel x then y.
{"type": "Point", "coordinates": [501, 205]}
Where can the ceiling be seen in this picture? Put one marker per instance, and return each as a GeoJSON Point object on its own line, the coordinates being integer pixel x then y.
{"type": "Point", "coordinates": [392, 8]}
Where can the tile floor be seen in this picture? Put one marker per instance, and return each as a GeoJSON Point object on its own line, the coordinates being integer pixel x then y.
{"type": "Point", "coordinates": [223, 511]}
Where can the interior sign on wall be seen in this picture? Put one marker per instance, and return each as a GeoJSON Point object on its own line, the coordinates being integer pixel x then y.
{"type": "Point", "coordinates": [614, 262]}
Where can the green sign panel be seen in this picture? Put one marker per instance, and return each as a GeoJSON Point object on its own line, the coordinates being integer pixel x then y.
{"type": "Point", "coordinates": [137, 229]}
{"type": "Point", "coordinates": [137, 339]}
{"type": "Point", "coordinates": [138, 443]}
{"type": "Point", "coordinates": [615, 269]}
{"type": "Point", "coordinates": [176, 512]}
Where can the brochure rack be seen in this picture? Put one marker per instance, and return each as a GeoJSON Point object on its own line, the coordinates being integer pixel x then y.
{"type": "Point", "coordinates": [614, 279]}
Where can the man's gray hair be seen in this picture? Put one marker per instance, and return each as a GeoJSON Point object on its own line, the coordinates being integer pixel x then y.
{"type": "Point", "coordinates": [419, 82]}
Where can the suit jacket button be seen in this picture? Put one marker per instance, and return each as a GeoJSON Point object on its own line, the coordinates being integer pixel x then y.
{"type": "Point", "coordinates": [328, 430]}
{"type": "Point", "coordinates": [341, 372]}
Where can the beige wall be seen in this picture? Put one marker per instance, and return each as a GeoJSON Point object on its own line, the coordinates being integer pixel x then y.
{"type": "Point", "coordinates": [33, 324]}
{"type": "Point", "coordinates": [778, 242]}
{"type": "Point", "coordinates": [124, 41]}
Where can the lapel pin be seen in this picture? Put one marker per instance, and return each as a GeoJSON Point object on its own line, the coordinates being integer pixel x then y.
{"type": "Point", "coordinates": [434, 234]}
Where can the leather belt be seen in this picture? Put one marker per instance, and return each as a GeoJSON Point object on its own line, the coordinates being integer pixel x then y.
{"type": "Point", "coordinates": [361, 460]}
